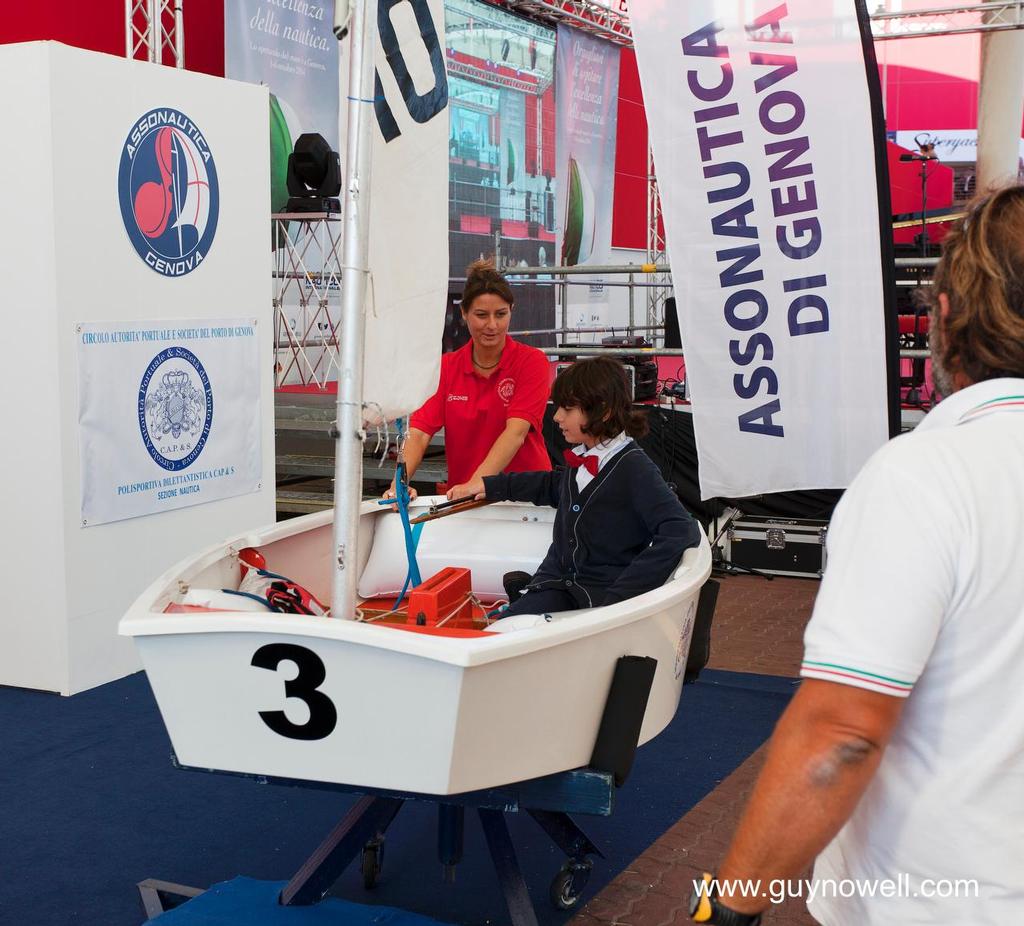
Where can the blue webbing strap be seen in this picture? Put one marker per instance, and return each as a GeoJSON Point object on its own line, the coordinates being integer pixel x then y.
{"type": "Point", "coordinates": [412, 534]}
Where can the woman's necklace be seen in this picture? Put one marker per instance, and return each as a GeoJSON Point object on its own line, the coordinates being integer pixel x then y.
{"type": "Point", "coordinates": [479, 365]}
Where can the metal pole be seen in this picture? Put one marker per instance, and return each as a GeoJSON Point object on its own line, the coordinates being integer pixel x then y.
{"type": "Point", "coordinates": [533, 332]}
{"type": "Point", "coordinates": [924, 209]}
{"type": "Point", "coordinates": [885, 84]}
{"type": "Point", "coordinates": [590, 270]}
{"type": "Point", "coordinates": [565, 301]}
{"type": "Point", "coordinates": [595, 350]}
{"type": "Point", "coordinates": [632, 320]}
{"type": "Point", "coordinates": [348, 456]}
{"type": "Point", "coordinates": [129, 8]}
{"type": "Point", "coordinates": [154, 31]}
{"type": "Point", "coordinates": [179, 33]}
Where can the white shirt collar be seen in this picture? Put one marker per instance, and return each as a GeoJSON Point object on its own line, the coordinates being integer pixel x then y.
{"type": "Point", "coordinates": [604, 449]}
{"type": "Point", "coordinates": [952, 409]}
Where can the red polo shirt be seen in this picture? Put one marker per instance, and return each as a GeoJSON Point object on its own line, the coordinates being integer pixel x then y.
{"type": "Point", "coordinates": [473, 409]}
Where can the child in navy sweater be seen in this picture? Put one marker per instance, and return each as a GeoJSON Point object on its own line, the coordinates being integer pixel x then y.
{"type": "Point", "coordinates": [619, 530]}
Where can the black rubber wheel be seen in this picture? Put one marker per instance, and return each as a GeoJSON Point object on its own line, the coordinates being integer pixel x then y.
{"type": "Point", "coordinates": [372, 863]}
{"type": "Point", "coordinates": [568, 884]}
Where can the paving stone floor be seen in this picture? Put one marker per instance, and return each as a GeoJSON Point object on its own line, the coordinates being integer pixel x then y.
{"type": "Point", "coordinates": [758, 628]}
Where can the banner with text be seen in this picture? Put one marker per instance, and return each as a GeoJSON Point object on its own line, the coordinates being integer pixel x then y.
{"type": "Point", "coordinates": [952, 146]}
{"type": "Point", "coordinates": [168, 415]}
{"type": "Point", "coordinates": [289, 47]}
{"type": "Point", "coordinates": [587, 97]}
{"type": "Point", "coordinates": [764, 146]}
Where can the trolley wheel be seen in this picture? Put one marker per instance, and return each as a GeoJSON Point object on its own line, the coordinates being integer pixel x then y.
{"type": "Point", "coordinates": [568, 884]}
{"type": "Point", "coordinates": [372, 862]}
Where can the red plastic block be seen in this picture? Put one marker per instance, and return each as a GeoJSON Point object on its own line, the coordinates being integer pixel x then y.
{"type": "Point", "coordinates": [444, 595]}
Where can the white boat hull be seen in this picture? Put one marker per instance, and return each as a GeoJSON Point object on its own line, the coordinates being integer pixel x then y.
{"type": "Point", "coordinates": [405, 711]}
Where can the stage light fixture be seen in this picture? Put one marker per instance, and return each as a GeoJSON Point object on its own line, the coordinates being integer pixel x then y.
{"type": "Point", "coordinates": [314, 176]}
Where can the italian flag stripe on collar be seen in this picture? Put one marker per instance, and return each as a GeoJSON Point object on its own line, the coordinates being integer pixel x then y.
{"type": "Point", "coordinates": [834, 671]}
{"type": "Point", "coordinates": [1006, 402]}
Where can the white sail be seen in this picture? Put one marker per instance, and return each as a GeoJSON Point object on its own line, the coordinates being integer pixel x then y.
{"type": "Point", "coordinates": [193, 203]}
{"type": "Point", "coordinates": [407, 295]}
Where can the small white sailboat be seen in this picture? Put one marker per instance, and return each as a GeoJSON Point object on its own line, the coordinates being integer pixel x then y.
{"type": "Point", "coordinates": [447, 705]}
{"type": "Point", "coordinates": [436, 709]}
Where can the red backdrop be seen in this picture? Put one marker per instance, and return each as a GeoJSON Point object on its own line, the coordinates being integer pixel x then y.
{"type": "Point", "coordinates": [99, 25]}
{"type": "Point", "coordinates": [629, 218]}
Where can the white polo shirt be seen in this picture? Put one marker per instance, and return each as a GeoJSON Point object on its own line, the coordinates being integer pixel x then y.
{"type": "Point", "coordinates": [923, 599]}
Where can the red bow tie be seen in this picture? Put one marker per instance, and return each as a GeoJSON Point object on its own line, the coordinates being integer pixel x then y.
{"type": "Point", "coordinates": [574, 461]}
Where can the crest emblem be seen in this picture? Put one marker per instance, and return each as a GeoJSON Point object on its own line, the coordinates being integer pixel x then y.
{"type": "Point", "coordinates": [168, 192]}
{"type": "Point", "coordinates": [506, 389]}
{"type": "Point", "coordinates": [175, 408]}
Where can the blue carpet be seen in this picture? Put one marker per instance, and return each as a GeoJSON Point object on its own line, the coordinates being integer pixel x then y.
{"type": "Point", "coordinates": [245, 902]}
{"type": "Point", "coordinates": [92, 805]}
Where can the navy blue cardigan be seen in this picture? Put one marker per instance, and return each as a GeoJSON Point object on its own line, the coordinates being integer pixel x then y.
{"type": "Point", "coordinates": [621, 536]}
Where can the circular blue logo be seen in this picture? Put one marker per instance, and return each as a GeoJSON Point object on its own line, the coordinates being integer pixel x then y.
{"type": "Point", "coordinates": [168, 190]}
{"type": "Point", "coordinates": [175, 408]}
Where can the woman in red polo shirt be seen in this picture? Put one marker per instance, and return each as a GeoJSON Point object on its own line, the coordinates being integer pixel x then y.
{"type": "Point", "coordinates": [491, 397]}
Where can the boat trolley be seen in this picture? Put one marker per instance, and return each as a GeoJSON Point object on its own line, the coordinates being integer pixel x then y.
{"type": "Point", "coordinates": [549, 800]}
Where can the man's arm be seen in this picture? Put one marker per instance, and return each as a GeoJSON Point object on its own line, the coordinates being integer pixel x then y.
{"type": "Point", "coordinates": [821, 757]}
{"type": "Point", "coordinates": [498, 457]}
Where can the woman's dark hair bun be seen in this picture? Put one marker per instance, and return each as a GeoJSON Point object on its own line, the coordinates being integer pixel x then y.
{"type": "Point", "coordinates": [482, 269]}
{"type": "Point", "coordinates": [483, 277]}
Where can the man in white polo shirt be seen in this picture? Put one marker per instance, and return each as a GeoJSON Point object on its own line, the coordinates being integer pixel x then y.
{"type": "Point", "coordinates": [900, 762]}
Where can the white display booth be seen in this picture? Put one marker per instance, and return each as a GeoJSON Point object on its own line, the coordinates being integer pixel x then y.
{"type": "Point", "coordinates": [135, 231]}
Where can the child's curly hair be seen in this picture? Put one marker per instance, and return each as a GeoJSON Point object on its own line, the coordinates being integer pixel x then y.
{"type": "Point", "coordinates": [599, 387]}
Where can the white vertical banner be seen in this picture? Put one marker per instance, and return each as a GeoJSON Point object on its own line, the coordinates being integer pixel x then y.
{"type": "Point", "coordinates": [408, 292]}
{"type": "Point", "coordinates": [761, 125]}
{"type": "Point", "coordinates": [169, 415]}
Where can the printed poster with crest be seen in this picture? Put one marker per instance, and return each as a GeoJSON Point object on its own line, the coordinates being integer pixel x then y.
{"type": "Point", "coordinates": [168, 415]}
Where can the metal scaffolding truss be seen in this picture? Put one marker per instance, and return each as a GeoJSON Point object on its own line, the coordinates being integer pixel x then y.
{"type": "Point", "coordinates": [656, 253]}
{"type": "Point", "coordinates": [949, 20]}
{"type": "Point", "coordinates": [307, 284]}
{"type": "Point", "coordinates": [611, 21]}
{"type": "Point", "coordinates": [154, 30]}
{"type": "Point", "coordinates": [606, 22]}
